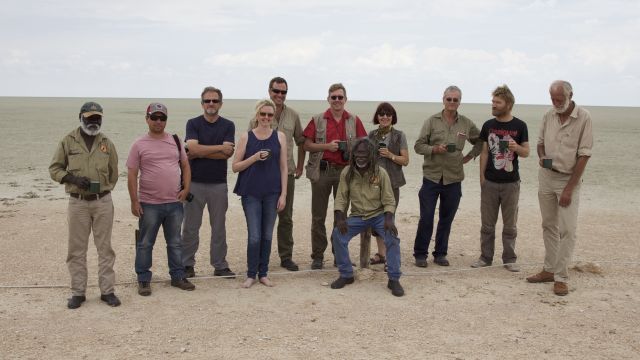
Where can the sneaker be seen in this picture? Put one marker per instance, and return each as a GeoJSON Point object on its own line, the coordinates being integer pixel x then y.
{"type": "Point", "coordinates": [316, 264]}
{"type": "Point", "coordinates": [289, 265]}
{"type": "Point", "coordinates": [226, 272]}
{"type": "Point", "coordinates": [421, 262]}
{"type": "Point", "coordinates": [110, 299]}
{"type": "Point", "coordinates": [395, 287]}
{"type": "Point", "coordinates": [341, 282]}
{"type": "Point", "coordinates": [189, 272]}
{"type": "Point", "coordinates": [144, 288]}
{"type": "Point", "coordinates": [480, 263]}
{"type": "Point", "coordinates": [560, 288]}
{"type": "Point", "coordinates": [542, 276]}
{"type": "Point", "coordinates": [183, 284]}
{"type": "Point", "coordinates": [513, 267]}
{"type": "Point", "coordinates": [76, 301]}
{"type": "Point", "coordinates": [441, 260]}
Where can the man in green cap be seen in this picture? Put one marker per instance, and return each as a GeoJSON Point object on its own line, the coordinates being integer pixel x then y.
{"type": "Point", "coordinates": [87, 163]}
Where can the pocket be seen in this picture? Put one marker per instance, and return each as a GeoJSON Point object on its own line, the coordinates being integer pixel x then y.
{"type": "Point", "coordinates": [437, 137]}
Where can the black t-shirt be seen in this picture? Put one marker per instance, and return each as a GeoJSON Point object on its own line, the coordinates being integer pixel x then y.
{"type": "Point", "coordinates": [502, 166]}
{"type": "Point", "coordinates": [209, 170]}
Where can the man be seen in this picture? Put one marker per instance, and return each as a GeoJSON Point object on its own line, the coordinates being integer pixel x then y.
{"type": "Point", "coordinates": [441, 141]}
{"type": "Point", "coordinates": [329, 137]}
{"type": "Point", "coordinates": [504, 139]}
{"type": "Point", "coordinates": [564, 146]}
{"type": "Point", "coordinates": [157, 198]}
{"type": "Point", "coordinates": [210, 140]}
{"type": "Point", "coordinates": [286, 120]}
{"type": "Point", "coordinates": [87, 163]}
{"type": "Point", "coordinates": [368, 188]}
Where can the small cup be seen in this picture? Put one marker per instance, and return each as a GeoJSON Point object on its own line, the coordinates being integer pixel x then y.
{"type": "Point", "coordinates": [382, 145]}
{"type": "Point", "coordinates": [504, 145]}
{"type": "Point", "coordinates": [94, 187]}
{"type": "Point", "coordinates": [342, 145]}
{"type": "Point", "coordinates": [268, 151]}
{"type": "Point", "coordinates": [451, 147]}
{"type": "Point", "coordinates": [547, 163]}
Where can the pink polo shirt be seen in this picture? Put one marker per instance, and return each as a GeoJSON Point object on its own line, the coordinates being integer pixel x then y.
{"type": "Point", "coordinates": [159, 169]}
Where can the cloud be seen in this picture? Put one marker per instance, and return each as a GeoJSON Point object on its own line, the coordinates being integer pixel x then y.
{"type": "Point", "coordinates": [297, 52]}
{"type": "Point", "coordinates": [16, 57]}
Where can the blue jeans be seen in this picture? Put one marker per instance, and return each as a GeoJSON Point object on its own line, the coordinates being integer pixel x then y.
{"type": "Point", "coordinates": [170, 217]}
{"type": "Point", "coordinates": [355, 226]}
{"type": "Point", "coordinates": [449, 200]}
{"type": "Point", "coordinates": [261, 217]}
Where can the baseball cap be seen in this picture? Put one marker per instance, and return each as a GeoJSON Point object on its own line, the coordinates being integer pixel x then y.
{"type": "Point", "coordinates": [91, 108]}
{"type": "Point", "coordinates": [157, 107]}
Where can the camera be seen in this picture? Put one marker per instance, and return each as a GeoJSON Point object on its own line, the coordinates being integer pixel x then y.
{"type": "Point", "coordinates": [189, 197]}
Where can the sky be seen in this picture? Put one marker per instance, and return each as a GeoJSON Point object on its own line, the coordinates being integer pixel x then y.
{"type": "Point", "coordinates": [391, 50]}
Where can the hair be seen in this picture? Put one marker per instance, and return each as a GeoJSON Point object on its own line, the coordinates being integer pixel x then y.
{"type": "Point", "coordinates": [211, 89]}
{"type": "Point", "coordinates": [451, 88]}
{"type": "Point", "coordinates": [385, 106]}
{"type": "Point", "coordinates": [337, 86]}
{"type": "Point", "coordinates": [566, 87]}
{"type": "Point", "coordinates": [371, 149]}
{"type": "Point", "coordinates": [504, 93]}
{"type": "Point", "coordinates": [262, 103]}
{"type": "Point", "coordinates": [278, 80]}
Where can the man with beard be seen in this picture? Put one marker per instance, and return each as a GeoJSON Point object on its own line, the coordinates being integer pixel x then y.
{"type": "Point", "coordinates": [210, 140]}
{"type": "Point", "coordinates": [87, 163]}
{"type": "Point", "coordinates": [367, 187]}
{"type": "Point", "coordinates": [504, 139]}
{"type": "Point", "coordinates": [564, 147]}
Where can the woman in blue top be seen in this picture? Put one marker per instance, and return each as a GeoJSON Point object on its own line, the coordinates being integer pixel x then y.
{"type": "Point", "coordinates": [261, 160]}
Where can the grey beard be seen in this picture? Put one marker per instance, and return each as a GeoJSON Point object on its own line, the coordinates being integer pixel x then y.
{"type": "Point", "coordinates": [90, 132]}
{"type": "Point", "coordinates": [564, 107]}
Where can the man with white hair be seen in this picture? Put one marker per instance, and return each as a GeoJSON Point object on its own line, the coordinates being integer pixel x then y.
{"type": "Point", "coordinates": [564, 147]}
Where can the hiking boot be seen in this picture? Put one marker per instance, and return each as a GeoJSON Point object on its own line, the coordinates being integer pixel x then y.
{"type": "Point", "coordinates": [395, 287]}
{"type": "Point", "coordinates": [341, 282]}
{"type": "Point", "coordinates": [421, 262]}
{"type": "Point", "coordinates": [542, 276]}
{"type": "Point", "coordinates": [110, 299]}
{"type": "Point", "coordinates": [289, 265]}
{"type": "Point", "coordinates": [144, 288]}
{"type": "Point", "coordinates": [316, 264]}
{"type": "Point", "coordinates": [441, 260]}
{"type": "Point", "coordinates": [513, 267]}
{"type": "Point", "coordinates": [76, 301]}
{"type": "Point", "coordinates": [226, 272]}
{"type": "Point", "coordinates": [189, 272]}
{"type": "Point", "coordinates": [183, 284]}
{"type": "Point", "coordinates": [480, 263]}
{"type": "Point", "coordinates": [560, 288]}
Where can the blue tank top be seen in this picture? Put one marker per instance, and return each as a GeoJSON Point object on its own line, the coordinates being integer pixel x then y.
{"type": "Point", "coordinates": [262, 177]}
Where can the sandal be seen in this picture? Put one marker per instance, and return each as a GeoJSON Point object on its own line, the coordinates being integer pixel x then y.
{"type": "Point", "coordinates": [377, 259]}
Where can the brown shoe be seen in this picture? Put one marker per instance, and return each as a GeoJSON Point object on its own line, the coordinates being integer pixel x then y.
{"type": "Point", "coordinates": [560, 288]}
{"type": "Point", "coordinates": [542, 276]}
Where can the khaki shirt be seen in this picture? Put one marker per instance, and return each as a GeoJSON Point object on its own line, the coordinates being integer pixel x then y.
{"type": "Point", "coordinates": [289, 124]}
{"type": "Point", "coordinates": [436, 131]}
{"type": "Point", "coordinates": [73, 157]}
{"type": "Point", "coordinates": [564, 143]}
{"type": "Point", "coordinates": [370, 196]}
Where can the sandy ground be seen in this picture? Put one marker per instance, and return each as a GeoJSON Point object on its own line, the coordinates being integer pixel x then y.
{"type": "Point", "coordinates": [448, 313]}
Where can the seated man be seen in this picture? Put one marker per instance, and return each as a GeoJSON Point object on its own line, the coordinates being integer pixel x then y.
{"type": "Point", "coordinates": [368, 188]}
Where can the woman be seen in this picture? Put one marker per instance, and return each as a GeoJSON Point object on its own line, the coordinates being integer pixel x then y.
{"type": "Point", "coordinates": [393, 154]}
{"type": "Point", "coordinates": [261, 160]}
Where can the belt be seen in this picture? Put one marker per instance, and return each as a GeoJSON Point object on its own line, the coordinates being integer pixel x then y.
{"type": "Point", "coordinates": [89, 197]}
{"type": "Point", "coordinates": [335, 166]}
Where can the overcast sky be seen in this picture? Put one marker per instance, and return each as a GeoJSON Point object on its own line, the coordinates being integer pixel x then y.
{"type": "Point", "coordinates": [380, 50]}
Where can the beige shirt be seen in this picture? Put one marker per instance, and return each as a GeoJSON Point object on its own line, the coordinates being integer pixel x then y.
{"type": "Point", "coordinates": [369, 195]}
{"type": "Point", "coordinates": [436, 131]}
{"type": "Point", "coordinates": [100, 163]}
{"type": "Point", "coordinates": [289, 124]}
{"type": "Point", "coordinates": [564, 143]}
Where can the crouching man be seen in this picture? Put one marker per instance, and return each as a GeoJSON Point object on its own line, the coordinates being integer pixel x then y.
{"type": "Point", "coordinates": [368, 188]}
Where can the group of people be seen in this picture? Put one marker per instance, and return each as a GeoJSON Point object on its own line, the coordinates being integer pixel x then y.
{"type": "Point", "coordinates": [170, 183]}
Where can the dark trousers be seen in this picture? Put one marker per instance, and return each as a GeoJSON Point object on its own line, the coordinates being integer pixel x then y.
{"type": "Point", "coordinates": [449, 196]}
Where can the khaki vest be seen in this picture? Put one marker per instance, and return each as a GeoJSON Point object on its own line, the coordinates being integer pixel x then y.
{"type": "Point", "coordinates": [312, 169]}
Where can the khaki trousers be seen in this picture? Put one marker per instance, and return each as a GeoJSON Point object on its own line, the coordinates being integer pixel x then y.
{"type": "Point", "coordinates": [85, 217]}
{"type": "Point", "coordinates": [558, 223]}
{"type": "Point", "coordinates": [326, 186]}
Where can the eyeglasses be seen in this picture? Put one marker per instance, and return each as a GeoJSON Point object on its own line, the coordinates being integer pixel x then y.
{"type": "Point", "coordinates": [337, 97]}
{"type": "Point", "coordinates": [263, 114]}
{"type": "Point", "coordinates": [157, 117]}
{"type": "Point", "coordinates": [207, 101]}
{"type": "Point", "coordinates": [383, 113]}
{"type": "Point", "coordinates": [455, 100]}
{"type": "Point", "coordinates": [278, 91]}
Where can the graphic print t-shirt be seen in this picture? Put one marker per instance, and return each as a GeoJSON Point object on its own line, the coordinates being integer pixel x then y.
{"type": "Point", "coordinates": [502, 165]}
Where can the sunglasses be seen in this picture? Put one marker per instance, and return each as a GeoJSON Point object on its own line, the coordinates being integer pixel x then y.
{"type": "Point", "coordinates": [207, 101]}
{"type": "Point", "coordinates": [336, 97]}
{"type": "Point", "coordinates": [263, 114]}
{"type": "Point", "coordinates": [278, 91]}
{"type": "Point", "coordinates": [455, 100]}
{"type": "Point", "coordinates": [157, 117]}
{"type": "Point", "coordinates": [382, 113]}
